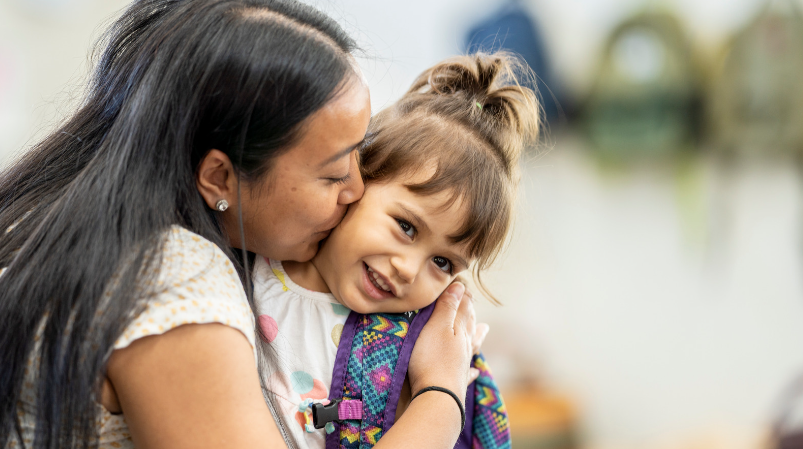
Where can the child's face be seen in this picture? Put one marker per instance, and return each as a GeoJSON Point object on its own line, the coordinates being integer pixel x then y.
{"type": "Point", "coordinates": [392, 252]}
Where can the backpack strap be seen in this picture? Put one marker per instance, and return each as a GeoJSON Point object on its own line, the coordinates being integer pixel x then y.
{"type": "Point", "coordinates": [490, 426]}
{"type": "Point", "coordinates": [370, 368]}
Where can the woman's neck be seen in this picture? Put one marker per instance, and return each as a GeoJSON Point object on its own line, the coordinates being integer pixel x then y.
{"type": "Point", "coordinates": [306, 275]}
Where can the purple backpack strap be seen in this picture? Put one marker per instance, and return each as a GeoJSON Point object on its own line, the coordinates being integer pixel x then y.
{"type": "Point", "coordinates": [357, 426]}
{"type": "Point", "coordinates": [404, 361]}
{"type": "Point", "coordinates": [339, 372]}
{"type": "Point", "coordinates": [346, 381]}
{"type": "Point", "coordinates": [490, 426]}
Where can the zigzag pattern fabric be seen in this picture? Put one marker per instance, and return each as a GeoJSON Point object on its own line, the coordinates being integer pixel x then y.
{"type": "Point", "coordinates": [371, 366]}
{"type": "Point", "coordinates": [369, 374]}
{"type": "Point", "coordinates": [491, 428]}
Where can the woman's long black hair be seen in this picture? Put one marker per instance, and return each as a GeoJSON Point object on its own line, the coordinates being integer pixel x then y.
{"type": "Point", "coordinates": [82, 214]}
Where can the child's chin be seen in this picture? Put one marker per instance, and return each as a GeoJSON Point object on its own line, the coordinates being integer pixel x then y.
{"type": "Point", "coordinates": [363, 307]}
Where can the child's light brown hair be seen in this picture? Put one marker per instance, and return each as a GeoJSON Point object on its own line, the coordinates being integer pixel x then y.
{"type": "Point", "coordinates": [470, 117]}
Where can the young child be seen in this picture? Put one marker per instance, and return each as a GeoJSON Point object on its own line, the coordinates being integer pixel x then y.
{"type": "Point", "coordinates": [440, 169]}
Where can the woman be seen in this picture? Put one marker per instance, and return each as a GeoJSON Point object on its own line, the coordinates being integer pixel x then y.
{"type": "Point", "coordinates": [209, 124]}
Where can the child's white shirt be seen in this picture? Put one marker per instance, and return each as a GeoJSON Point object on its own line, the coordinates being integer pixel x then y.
{"type": "Point", "coordinates": [304, 329]}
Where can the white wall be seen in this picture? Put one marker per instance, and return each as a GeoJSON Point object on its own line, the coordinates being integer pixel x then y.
{"type": "Point", "coordinates": [44, 44]}
{"type": "Point", "coordinates": [44, 54]}
{"type": "Point", "coordinates": [667, 301]}
{"type": "Point", "coordinates": [406, 37]}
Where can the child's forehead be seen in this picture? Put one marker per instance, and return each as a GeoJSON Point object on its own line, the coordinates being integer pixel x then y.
{"type": "Point", "coordinates": [401, 189]}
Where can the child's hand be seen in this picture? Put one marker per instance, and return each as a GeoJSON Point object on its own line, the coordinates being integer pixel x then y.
{"type": "Point", "coordinates": [443, 352]}
{"type": "Point", "coordinates": [479, 337]}
{"type": "Point", "coordinates": [480, 332]}
{"type": "Point", "coordinates": [476, 346]}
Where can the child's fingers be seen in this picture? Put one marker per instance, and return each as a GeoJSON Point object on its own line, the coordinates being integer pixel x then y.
{"type": "Point", "coordinates": [466, 321]}
{"type": "Point", "coordinates": [473, 374]}
{"type": "Point", "coordinates": [479, 337]}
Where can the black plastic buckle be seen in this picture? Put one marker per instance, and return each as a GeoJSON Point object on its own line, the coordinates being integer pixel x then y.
{"type": "Point", "coordinates": [322, 414]}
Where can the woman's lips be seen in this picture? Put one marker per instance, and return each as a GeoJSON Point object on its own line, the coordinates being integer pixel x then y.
{"type": "Point", "coordinates": [336, 219]}
{"type": "Point", "coordinates": [370, 289]}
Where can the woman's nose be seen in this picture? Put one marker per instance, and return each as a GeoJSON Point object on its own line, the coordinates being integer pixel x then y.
{"type": "Point", "coordinates": [354, 188]}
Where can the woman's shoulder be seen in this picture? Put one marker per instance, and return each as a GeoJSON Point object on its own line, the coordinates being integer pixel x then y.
{"type": "Point", "coordinates": [186, 254]}
{"type": "Point", "coordinates": [196, 284]}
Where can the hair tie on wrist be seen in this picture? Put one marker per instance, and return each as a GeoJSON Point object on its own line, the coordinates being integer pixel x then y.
{"type": "Point", "coordinates": [450, 393]}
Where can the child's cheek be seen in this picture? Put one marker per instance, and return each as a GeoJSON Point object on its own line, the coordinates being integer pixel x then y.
{"type": "Point", "coordinates": [429, 295]}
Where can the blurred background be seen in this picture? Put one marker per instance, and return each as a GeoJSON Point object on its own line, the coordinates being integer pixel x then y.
{"type": "Point", "coordinates": [653, 288]}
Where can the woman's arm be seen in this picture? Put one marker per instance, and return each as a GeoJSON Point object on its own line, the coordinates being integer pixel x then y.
{"type": "Point", "coordinates": [195, 386]}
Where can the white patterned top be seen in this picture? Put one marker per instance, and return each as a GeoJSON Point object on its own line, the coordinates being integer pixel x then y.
{"type": "Point", "coordinates": [200, 286]}
{"type": "Point", "coordinates": [304, 328]}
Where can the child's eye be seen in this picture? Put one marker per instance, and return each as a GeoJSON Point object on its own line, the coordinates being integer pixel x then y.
{"type": "Point", "coordinates": [443, 263]}
{"type": "Point", "coordinates": [407, 228]}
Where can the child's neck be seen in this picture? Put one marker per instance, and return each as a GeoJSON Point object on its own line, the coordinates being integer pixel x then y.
{"type": "Point", "coordinates": [306, 275]}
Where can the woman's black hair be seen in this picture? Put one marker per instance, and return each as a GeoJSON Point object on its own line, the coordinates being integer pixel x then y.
{"type": "Point", "coordinates": [83, 213]}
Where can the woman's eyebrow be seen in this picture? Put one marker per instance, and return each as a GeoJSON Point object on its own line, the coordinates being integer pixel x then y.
{"type": "Point", "coordinates": [340, 154]}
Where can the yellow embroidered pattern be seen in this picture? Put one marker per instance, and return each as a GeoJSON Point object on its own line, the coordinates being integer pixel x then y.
{"type": "Point", "coordinates": [280, 276]}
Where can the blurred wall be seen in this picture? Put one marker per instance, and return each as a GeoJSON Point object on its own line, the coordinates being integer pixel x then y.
{"type": "Point", "coordinates": [402, 38]}
{"type": "Point", "coordinates": [44, 44]}
{"type": "Point", "coordinates": [44, 57]}
{"type": "Point", "coordinates": [666, 301]}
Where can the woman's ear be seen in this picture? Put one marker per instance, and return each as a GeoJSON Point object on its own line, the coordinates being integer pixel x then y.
{"type": "Point", "coordinates": [216, 179]}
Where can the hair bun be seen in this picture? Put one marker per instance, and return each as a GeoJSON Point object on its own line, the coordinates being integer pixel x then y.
{"type": "Point", "coordinates": [472, 75]}
{"type": "Point", "coordinates": [488, 93]}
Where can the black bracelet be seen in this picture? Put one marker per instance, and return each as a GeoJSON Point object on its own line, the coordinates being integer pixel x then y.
{"type": "Point", "coordinates": [456, 399]}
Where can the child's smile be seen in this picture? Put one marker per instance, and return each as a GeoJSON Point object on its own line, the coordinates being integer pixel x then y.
{"type": "Point", "coordinates": [376, 285]}
{"type": "Point", "coordinates": [393, 252]}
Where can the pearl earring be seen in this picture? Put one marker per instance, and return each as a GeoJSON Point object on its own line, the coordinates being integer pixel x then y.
{"type": "Point", "coordinates": [222, 205]}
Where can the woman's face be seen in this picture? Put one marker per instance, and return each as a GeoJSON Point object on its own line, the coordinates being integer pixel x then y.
{"type": "Point", "coordinates": [306, 192]}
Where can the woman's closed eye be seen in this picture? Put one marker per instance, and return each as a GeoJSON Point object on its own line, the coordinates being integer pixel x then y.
{"type": "Point", "coordinates": [443, 264]}
{"type": "Point", "coordinates": [406, 227]}
{"type": "Point", "coordinates": [340, 180]}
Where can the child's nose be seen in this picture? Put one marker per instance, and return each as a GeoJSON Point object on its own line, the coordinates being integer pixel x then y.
{"type": "Point", "coordinates": [406, 267]}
